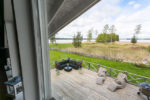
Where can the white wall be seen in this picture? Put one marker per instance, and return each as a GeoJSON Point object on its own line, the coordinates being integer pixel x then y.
{"type": "Point", "coordinates": [12, 44]}
{"type": "Point", "coordinates": [10, 34]}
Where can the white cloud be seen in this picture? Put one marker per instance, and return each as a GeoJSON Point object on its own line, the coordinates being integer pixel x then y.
{"type": "Point", "coordinates": [136, 6]}
{"type": "Point", "coordinates": [109, 12]}
{"type": "Point", "coordinates": [95, 18]}
{"type": "Point", "coordinates": [131, 3]}
{"type": "Point", "coordinates": [126, 23]}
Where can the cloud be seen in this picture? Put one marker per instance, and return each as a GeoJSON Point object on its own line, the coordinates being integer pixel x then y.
{"type": "Point", "coordinates": [131, 3]}
{"type": "Point", "coordinates": [136, 6]}
{"type": "Point", "coordinates": [95, 18]}
{"type": "Point", "coordinates": [110, 12]}
{"type": "Point", "coordinates": [126, 23]}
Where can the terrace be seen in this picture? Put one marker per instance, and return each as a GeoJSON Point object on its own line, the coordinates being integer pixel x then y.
{"type": "Point", "coordinates": [81, 84]}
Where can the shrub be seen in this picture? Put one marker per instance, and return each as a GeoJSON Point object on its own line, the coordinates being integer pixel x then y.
{"type": "Point", "coordinates": [77, 40]}
{"type": "Point", "coordinates": [134, 40]}
{"type": "Point", "coordinates": [107, 37]}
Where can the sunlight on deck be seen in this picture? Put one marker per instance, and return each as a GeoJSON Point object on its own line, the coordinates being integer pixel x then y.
{"type": "Point", "coordinates": [76, 86]}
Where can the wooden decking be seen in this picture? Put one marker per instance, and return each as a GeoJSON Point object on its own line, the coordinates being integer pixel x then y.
{"type": "Point", "coordinates": [75, 86]}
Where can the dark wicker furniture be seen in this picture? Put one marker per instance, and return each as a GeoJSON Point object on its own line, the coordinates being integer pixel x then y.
{"type": "Point", "coordinates": [64, 63]}
{"type": "Point", "coordinates": [145, 91]}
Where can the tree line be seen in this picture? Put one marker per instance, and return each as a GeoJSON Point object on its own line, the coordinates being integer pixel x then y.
{"type": "Point", "coordinates": [108, 35]}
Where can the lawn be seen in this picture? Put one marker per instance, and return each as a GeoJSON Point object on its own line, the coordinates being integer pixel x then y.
{"type": "Point", "coordinates": [125, 52]}
{"type": "Point", "coordinates": [61, 46]}
{"type": "Point", "coordinates": [129, 67]}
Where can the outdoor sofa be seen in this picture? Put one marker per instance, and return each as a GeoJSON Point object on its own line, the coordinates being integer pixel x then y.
{"type": "Point", "coordinates": [70, 63]}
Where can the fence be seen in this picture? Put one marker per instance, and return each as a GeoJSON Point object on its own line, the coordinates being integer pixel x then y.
{"type": "Point", "coordinates": [112, 72]}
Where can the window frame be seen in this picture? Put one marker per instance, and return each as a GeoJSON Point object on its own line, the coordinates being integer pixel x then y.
{"type": "Point", "coordinates": [30, 24]}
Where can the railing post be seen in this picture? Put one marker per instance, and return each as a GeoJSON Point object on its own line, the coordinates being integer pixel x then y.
{"type": "Point", "coordinates": [98, 66]}
{"type": "Point", "coordinates": [89, 66]}
{"type": "Point", "coordinates": [144, 79]}
{"type": "Point", "coordinates": [110, 70]}
{"type": "Point", "coordinates": [127, 76]}
{"type": "Point", "coordinates": [54, 64]}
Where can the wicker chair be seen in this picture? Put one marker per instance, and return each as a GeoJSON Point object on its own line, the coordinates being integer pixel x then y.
{"type": "Point", "coordinates": [101, 76]}
{"type": "Point", "coordinates": [118, 83]}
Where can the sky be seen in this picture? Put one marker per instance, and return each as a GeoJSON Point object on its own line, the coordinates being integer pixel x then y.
{"type": "Point", "coordinates": [124, 14]}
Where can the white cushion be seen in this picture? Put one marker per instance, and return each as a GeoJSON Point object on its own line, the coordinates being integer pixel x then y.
{"type": "Point", "coordinates": [100, 80]}
{"type": "Point", "coordinates": [112, 87]}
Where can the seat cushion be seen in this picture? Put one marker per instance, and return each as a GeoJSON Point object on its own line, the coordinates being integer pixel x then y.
{"type": "Point", "coordinates": [100, 80]}
{"type": "Point", "coordinates": [113, 86]}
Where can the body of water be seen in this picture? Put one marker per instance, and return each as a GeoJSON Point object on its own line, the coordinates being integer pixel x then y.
{"type": "Point", "coordinates": [70, 41]}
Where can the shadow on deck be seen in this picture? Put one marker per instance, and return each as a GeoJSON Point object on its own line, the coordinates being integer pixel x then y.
{"type": "Point", "coordinates": [76, 86]}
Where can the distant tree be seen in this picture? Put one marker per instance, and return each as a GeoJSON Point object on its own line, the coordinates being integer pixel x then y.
{"type": "Point", "coordinates": [105, 38]}
{"type": "Point", "coordinates": [117, 37]}
{"type": "Point", "coordinates": [106, 27]}
{"type": "Point", "coordinates": [96, 32]}
{"type": "Point", "coordinates": [134, 40]}
{"type": "Point", "coordinates": [137, 31]}
{"type": "Point", "coordinates": [53, 39]}
{"type": "Point", "coordinates": [112, 30]}
{"type": "Point", "coordinates": [77, 40]}
{"type": "Point", "coordinates": [89, 37]}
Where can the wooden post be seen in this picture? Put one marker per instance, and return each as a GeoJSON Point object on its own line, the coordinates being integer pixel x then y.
{"type": "Point", "coordinates": [89, 66]}
{"type": "Point", "coordinates": [54, 64]}
{"type": "Point", "coordinates": [127, 76]}
{"type": "Point", "coordinates": [126, 73]}
{"type": "Point", "coordinates": [98, 66]}
{"type": "Point", "coordinates": [144, 79]}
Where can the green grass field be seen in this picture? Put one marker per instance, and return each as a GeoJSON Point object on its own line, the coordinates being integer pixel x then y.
{"type": "Point", "coordinates": [129, 67]}
{"type": "Point", "coordinates": [61, 46]}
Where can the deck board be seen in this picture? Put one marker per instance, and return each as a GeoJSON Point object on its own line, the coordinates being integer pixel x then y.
{"type": "Point", "coordinates": [75, 86]}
